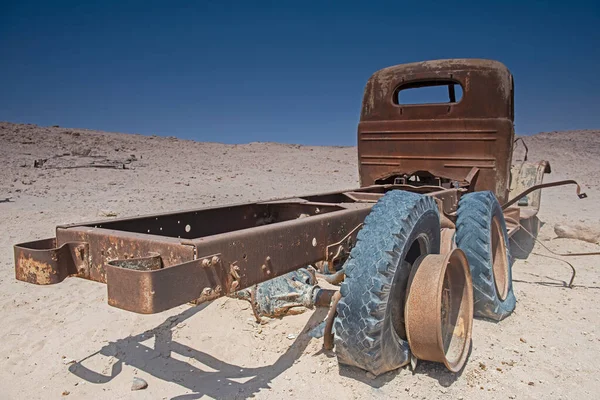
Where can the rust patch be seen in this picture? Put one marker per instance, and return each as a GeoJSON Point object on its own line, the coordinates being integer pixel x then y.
{"type": "Point", "coordinates": [42, 263]}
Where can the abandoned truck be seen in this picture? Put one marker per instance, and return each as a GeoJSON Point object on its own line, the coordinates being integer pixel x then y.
{"type": "Point", "coordinates": [419, 248]}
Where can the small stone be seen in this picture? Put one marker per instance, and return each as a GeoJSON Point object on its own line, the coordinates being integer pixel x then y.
{"type": "Point", "coordinates": [291, 336]}
{"type": "Point", "coordinates": [523, 340]}
{"type": "Point", "coordinates": [531, 383]}
{"type": "Point", "coordinates": [313, 371]}
{"type": "Point", "coordinates": [66, 393]}
{"type": "Point", "coordinates": [138, 384]}
{"type": "Point", "coordinates": [370, 375]}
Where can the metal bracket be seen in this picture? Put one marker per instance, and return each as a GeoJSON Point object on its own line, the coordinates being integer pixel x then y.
{"type": "Point", "coordinates": [148, 291]}
{"type": "Point", "coordinates": [336, 250]}
{"type": "Point", "coordinates": [43, 263]}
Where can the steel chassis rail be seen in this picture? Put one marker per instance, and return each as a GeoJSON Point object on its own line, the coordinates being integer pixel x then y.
{"type": "Point", "coordinates": [156, 262]}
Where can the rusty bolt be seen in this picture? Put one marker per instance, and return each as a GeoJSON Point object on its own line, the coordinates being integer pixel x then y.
{"type": "Point", "coordinates": [205, 263]}
{"type": "Point", "coordinates": [266, 269]}
{"type": "Point", "coordinates": [215, 260]}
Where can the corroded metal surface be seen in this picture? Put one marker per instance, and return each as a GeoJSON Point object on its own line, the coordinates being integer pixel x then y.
{"type": "Point", "coordinates": [439, 309]}
{"type": "Point", "coordinates": [107, 245]}
{"type": "Point", "coordinates": [156, 262]}
{"type": "Point", "coordinates": [446, 140]}
{"type": "Point", "coordinates": [153, 291]}
{"type": "Point", "coordinates": [43, 262]}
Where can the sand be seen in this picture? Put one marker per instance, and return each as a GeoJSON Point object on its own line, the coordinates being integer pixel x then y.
{"type": "Point", "coordinates": [549, 348]}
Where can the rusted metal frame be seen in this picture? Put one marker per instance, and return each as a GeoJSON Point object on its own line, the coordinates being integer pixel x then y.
{"type": "Point", "coordinates": [52, 260]}
{"type": "Point", "coordinates": [43, 262]}
{"type": "Point", "coordinates": [245, 258]}
{"type": "Point", "coordinates": [105, 245]}
{"type": "Point", "coordinates": [147, 273]}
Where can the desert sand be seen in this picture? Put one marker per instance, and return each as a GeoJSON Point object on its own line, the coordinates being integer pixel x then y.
{"type": "Point", "coordinates": [64, 341]}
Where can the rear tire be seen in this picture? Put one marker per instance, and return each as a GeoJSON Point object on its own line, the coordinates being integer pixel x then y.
{"type": "Point", "coordinates": [481, 234]}
{"type": "Point", "coordinates": [369, 327]}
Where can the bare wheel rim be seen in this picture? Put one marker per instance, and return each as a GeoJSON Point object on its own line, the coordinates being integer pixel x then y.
{"type": "Point", "coordinates": [500, 259]}
{"type": "Point", "coordinates": [439, 309]}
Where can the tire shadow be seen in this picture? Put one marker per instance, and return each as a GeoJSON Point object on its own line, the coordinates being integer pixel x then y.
{"type": "Point", "coordinates": [522, 244]}
{"type": "Point", "coordinates": [159, 362]}
{"type": "Point", "coordinates": [433, 370]}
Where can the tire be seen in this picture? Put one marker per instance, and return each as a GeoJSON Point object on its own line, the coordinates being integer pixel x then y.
{"type": "Point", "coordinates": [369, 327]}
{"type": "Point", "coordinates": [481, 234]}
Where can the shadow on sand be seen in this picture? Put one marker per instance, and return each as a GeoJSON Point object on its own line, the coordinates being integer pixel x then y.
{"type": "Point", "coordinates": [158, 362]}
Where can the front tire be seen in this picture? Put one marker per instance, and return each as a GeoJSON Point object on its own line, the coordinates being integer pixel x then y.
{"type": "Point", "coordinates": [369, 327]}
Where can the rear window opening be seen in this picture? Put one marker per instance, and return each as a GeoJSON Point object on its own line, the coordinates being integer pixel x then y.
{"type": "Point", "coordinates": [429, 92]}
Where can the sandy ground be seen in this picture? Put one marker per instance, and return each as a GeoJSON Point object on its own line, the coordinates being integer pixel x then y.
{"type": "Point", "coordinates": [549, 348]}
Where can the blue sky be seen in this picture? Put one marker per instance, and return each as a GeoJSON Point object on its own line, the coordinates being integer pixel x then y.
{"type": "Point", "coordinates": [283, 71]}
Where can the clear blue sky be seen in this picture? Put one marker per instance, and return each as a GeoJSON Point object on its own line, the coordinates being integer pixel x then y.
{"type": "Point", "coordinates": [284, 71]}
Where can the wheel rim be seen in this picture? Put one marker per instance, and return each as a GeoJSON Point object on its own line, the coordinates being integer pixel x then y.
{"type": "Point", "coordinates": [500, 259]}
{"type": "Point", "coordinates": [439, 309]}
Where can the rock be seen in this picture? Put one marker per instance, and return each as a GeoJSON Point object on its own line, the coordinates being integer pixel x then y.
{"type": "Point", "coordinates": [138, 384]}
{"type": "Point", "coordinates": [291, 336]}
{"type": "Point", "coordinates": [107, 213]}
{"type": "Point", "coordinates": [579, 232]}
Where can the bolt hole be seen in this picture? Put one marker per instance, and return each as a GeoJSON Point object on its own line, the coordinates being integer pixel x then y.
{"type": "Point", "coordinates": [244, 256]}
{"type": "Point", "coordinates": [188, 228]}
{"type": "Point", "coordinates": [314, 242]}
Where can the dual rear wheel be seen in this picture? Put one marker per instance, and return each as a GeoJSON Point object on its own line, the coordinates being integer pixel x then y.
{"type": "Point", "coordinates": [400, 295]}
